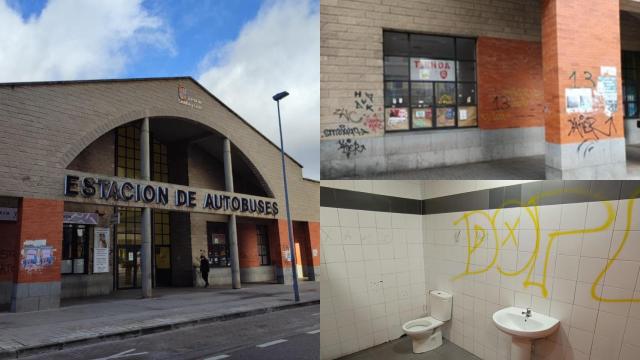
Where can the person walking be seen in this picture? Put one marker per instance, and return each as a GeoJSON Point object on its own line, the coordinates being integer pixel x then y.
{"type": "Point", "coordinates": [204, 270]}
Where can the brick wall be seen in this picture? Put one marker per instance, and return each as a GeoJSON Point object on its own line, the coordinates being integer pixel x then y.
{"type": "Point", "coordinates": [61, 120]}
{"type": "Point", "coordinates": [573, 42]}
{"type": "Point", "coordinates": [314, 239]}
{"type": "Point", "coordinates": [41, 219]}
{"type": "Point", "coordinates": [204, 170]}
{"type": "Point", "coordinates": [510, 87]}
{"type": "Point", "coordinates": [247, 245]}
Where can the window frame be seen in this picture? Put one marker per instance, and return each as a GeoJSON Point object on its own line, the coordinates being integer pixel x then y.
{"type": "Point", "coordinates": [634, 67]}
{"type": "Point", "coordinates": [262, 233]}
{"type": "Point", "coordinates": [73, 246]}
{"type": "Point", "coordinates": [434, 106]}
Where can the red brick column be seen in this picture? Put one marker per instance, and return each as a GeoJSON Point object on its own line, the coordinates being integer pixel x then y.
{"type": "Point", "coordinates": [39, 243]}
{"type": "Point", "coordinates": [278, 236]}
{"type": "Point", "coordinates": [314, 243]}
{"type": "Point", "coordinates": [580, 40]}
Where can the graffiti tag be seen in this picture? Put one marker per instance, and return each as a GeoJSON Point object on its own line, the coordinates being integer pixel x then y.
{"type": "Point", "coordinates": [350, 147]}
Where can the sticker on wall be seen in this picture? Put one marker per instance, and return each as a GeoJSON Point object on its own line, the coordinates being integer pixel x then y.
{"type": "Point", "coordinates": [36, 255]}
{"type": "Point", "coordinates": [608, 71]}
{"type": "Point", "coordinates": [314, 252]}
{"type": "Point", "coordinates": [608, 89]}
{"type": "Point", "coordinates": [101, 240]}
{"type": "Point", "coordinates": [579, 100]}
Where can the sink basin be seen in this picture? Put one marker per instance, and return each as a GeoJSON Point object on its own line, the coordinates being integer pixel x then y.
{"type": "Point", "coordinates": [513, 322]}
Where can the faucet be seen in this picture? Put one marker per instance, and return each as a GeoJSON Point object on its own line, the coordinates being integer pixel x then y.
{"type": "Point", "coordinates": [527, 313]}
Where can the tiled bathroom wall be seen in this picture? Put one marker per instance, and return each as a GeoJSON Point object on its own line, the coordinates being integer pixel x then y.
{"type": "Point", "coordinates": [372, 264]}
{"type": "Point", "coordinates": [553, 246]}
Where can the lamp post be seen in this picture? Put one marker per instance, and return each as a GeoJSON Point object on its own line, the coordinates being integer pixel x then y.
{"type": "Point", "coordinates": [277, 97]}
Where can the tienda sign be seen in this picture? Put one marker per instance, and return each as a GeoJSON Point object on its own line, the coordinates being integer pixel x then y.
{"type": "Point", "coordinates": [432, 70]}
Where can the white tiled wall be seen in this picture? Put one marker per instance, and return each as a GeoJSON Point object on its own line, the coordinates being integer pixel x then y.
{"type": "Point", "coordinates": [373, 278]}
{"type": "Point", "coordinates": [589, 329]}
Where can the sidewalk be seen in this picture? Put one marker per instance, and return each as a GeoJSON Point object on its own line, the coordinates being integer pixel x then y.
{"type": "Point", "coordinates": [123, 314]}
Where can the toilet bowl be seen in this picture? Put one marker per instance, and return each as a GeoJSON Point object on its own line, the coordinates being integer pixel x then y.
{"type": "Point", "coordinates": [425, 332]}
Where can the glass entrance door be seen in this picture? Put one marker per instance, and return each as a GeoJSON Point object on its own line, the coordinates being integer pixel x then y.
{"type": "Point", "coordinates": [129, 267]}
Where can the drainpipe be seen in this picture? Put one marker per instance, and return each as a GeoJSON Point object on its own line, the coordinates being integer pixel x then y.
{"type": "Point", "coordinates": [145, 226]}
{"type": "Point", "coordinates": [233, 234]}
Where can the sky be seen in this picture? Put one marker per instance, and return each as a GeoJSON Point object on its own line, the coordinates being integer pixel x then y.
{"type": "Point", "coordinates": [243, 51]}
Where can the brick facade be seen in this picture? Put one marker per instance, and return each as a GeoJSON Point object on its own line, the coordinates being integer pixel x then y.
{"type": "Point", "coordinates": [510, 86]}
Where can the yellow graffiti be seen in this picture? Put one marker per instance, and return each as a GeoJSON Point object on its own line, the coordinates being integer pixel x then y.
{"type": "Point", "coordinates": [481, 235]}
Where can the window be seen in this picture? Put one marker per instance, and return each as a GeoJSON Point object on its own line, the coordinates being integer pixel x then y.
{"type": "Point", "coordinates": [263, 245]}
{"type": "Point", "coordinates": [219, 255]}
{"type": "Point", "coordinates": [128, 165]}
{"type": "Point", "coordinates": [630, 83]}
{"type": "Point", "coordinates": [430, 82]}
{"type": "Point", "coordinates": [75, 249]}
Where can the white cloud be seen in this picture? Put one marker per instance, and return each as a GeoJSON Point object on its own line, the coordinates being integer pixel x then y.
{"type": "Point", "coordinates": [278, 50]}
{"type": "Point", "coordinates": [76, 39]}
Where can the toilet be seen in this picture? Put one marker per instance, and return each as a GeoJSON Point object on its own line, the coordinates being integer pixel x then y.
{"type": "Point", "coordinates": [426, 332]}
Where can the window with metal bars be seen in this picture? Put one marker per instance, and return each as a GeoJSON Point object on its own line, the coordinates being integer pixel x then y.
{"type": "Point", "coordinates": [630, 83]}
{"type": "Point", "coordinates": [263, 245]}
{"type": "Point", "coordinates": [429, 82]}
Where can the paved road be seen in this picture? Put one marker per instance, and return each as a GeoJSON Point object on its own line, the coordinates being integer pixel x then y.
{"type": "Point", "coordinates": [287, 334]}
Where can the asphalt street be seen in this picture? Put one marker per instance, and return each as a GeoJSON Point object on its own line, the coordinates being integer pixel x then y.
{"type": "Point", "coordinates": [287, 334]}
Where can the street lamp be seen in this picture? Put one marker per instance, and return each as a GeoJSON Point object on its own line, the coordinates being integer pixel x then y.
{"type": "Point", "coordinates": [277, 97]}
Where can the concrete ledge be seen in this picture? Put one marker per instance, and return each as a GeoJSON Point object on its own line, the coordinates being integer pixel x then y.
{"type": "Point", "coordinates": [419, 150]}
{"type": "Point", "coordinates": [150, 327]}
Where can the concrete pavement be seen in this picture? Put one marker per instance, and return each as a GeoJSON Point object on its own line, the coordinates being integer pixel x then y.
{"type": "Point", "coordinates": [123, 314]}
{"type": "Point", "coordinates": [287, 334]}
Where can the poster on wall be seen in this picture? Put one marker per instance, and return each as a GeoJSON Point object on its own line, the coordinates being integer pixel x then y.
{"type": "Point", "coordinates": [101, 241]}
{"type": "Point", "coordinates": [397, 119]}
{"type": "Point", "coordinates": [36, 255]}
{"type": "Point", "coordinates": [432, 70]}
{"type": "Point", "coordinates": [608, 89]}
{"type": "Point", "coordinates": [8, 214]}
{"type": "Point", "coordinates": [579, 100]}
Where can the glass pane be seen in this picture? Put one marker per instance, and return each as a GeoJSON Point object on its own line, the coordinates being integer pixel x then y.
{"type": "Point", "coordinates": [396, 93]}
{"type": "Point", "coordinates": [396, 43]}
{"type": "Point", "coordinates": [421, 94]}
{"type": "Point", "coordinates": [396, 68]}
{"type": "Point", "coordinates": [445, 93]}
{"type": "Point", "coordinates": [466, 71]}
{"type": "Point", "coordinates": [629, 74]}
{"type": "Point", "coordinates": [627, 59]}
{"type": "Point", "coordinates": [466, 49]}
{"type": "Point", "coordinates": [432, 46]}
{"type": "Point", "coordinates": [423, 118]}
{"type": "Point", "coordinates": [632, 110]}
{"type": "Point", "coordinates": [467, 116]}
{"type": "Point", "coordinates": [397, 118]}
{"type": "Point", "coordinates": [446, 117]}
{"type": "Point", "coordinates": [631, 93]}
{"type": "Point", "coordinates": [466, 94]}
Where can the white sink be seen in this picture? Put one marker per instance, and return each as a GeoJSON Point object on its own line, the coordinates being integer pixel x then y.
{"type": "Point", "coordinates": [524, 329]}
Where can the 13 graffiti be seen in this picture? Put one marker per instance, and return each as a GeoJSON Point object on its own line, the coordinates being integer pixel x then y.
{"type": "Point", "coordinates": [477, 234]}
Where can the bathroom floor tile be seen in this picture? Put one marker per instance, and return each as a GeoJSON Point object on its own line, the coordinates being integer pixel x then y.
{"type": "Point", "coordinates": [401, 349]}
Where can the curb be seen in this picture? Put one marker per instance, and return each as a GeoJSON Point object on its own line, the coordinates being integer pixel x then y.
{"type": "Point", "coordinates": [147, 330]}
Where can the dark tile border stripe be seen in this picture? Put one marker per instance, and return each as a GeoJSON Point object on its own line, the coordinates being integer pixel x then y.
{"type": "Point", "coordinates": [558, 191]}
{"type": "Point", "coordinates": [356, 200]}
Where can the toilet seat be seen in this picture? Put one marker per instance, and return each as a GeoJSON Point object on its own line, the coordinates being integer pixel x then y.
{"type": "Point", "coordinates": [421, 326]}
